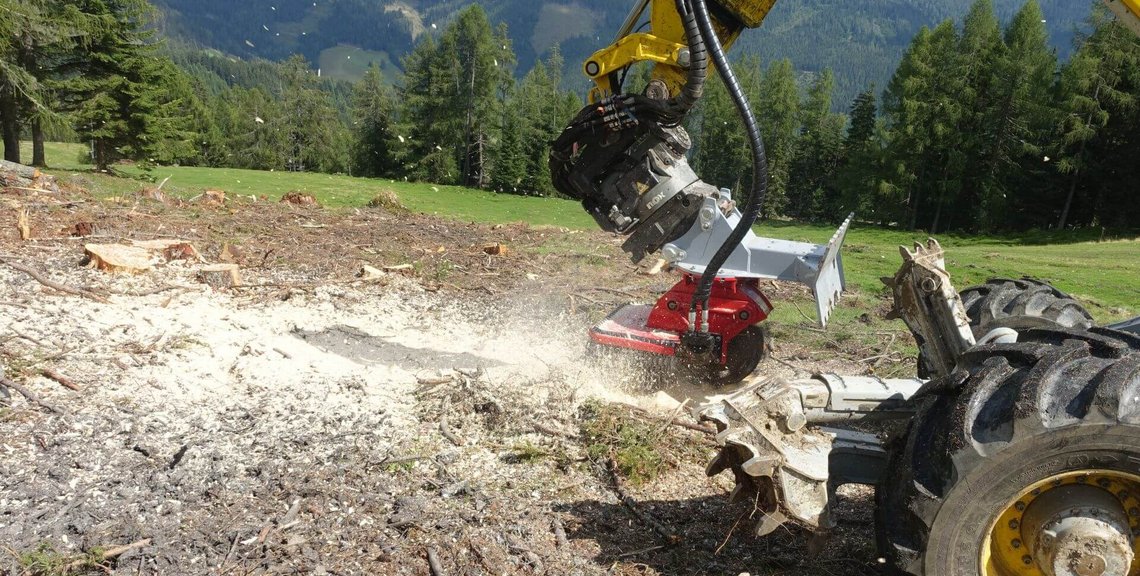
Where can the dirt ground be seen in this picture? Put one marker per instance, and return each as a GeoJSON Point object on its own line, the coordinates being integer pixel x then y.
{"type": "Point", "coordinates": [311, 421]}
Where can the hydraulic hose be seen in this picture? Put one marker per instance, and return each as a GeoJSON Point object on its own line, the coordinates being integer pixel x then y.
{"type": "Point", "coordinates": [759, 162]}
{"type": "Point", "coordinates": [698, 62]}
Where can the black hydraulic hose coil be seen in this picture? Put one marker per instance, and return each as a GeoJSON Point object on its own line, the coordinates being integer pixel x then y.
{"type": "Point", "coordinates": [698, 62]}
{"type": "Point", "coordinates": [759, 160]}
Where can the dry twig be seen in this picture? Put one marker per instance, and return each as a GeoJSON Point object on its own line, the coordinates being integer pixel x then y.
{"type": "Point", "coordinates": [63, 380]}
{"type": "Point", "coordinates": [669, 536]}
{"type": "Point", "coordinates": [39, 277]}
{"type": "Point", "coordinates": [28, 395]}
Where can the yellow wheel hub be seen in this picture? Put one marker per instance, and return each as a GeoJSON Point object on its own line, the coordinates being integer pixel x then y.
{"type": "Point", "coordinates": [1081, 523]}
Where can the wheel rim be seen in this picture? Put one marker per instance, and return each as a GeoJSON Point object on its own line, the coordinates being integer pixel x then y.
{"type": "Point", "coordinates": [1074, 524]}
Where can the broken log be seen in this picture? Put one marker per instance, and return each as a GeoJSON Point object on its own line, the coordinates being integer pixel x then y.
{"type": "Point", "coordinates": [220, 276]}
{"type": "Point", "coordinates": [20, 170]}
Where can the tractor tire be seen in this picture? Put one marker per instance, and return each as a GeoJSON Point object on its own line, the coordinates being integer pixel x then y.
{"type": "Point", "coordinates": [1020, 305]}
{"type": "Point", "coordinates": [744, 354]}
{"type": "Point", "coordinates": [1012, 423]}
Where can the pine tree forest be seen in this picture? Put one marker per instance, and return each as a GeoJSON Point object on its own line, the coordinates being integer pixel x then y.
{"type": "Point", "coordinates": [981, 128]}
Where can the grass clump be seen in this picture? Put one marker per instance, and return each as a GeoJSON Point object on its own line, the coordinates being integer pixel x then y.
{"type": "Point", "coordinates": [45, 560]}
{"type": "Point", "coordinates": [632, 444]}
{"type": "Point", "coordinates": [527, 452]}
{"type": "Point", "coordinates": [386, 199]}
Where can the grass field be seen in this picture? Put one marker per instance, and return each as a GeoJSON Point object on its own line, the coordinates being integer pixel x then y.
{"type": "Point", "coordinates": [1102, 274]}
{"type": "Point", "coordinates": [344, 62]}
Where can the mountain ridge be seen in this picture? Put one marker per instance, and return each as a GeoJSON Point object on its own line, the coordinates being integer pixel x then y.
{"type": "Point", "coordinates": [861, 41]}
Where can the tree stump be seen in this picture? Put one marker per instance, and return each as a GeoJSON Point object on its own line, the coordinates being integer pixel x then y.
{"type": "Point", "coordinates": [220, 276]}
{"type": "Point", "coordinates": [119, 258]}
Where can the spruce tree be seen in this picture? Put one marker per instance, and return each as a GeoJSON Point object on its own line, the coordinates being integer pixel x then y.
{"type": "Point", "coordinates": [373, 111]}
{"type": "Point", "coordinates": [812, 191]}
{"type": "Point", "coordinates": [1099, 83]}
{"type": "Point", "coordinates": [778, 110]}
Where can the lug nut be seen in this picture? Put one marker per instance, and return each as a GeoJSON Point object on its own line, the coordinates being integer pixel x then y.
{"type": "Point", "coordinates": [1015, 543]}
{"type": "Point", "coordinates": [1020, 506]}
{"type": "Point", "coordinates": [1013, 524]}
{"type": "Point", "coordinates": [1026, 560]}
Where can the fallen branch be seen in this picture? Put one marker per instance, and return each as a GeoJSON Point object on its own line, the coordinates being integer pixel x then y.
{"type": "Point", "coordinates": [447, 433]}
{"type": "Point", "coordinates": [107, 554]}
{"type": "Point", "coordinates": [560, 533]}
{"type": "Point", "coordinates": [28, 395]}
{"type": "Point", "coordinates": [35, 274]}
{"type": "Point", "coordinates": [669, 536]}
{"type": "Point", "coordinates": [552, 431]}
{"type": "Point", "coordinates": [433, 562]}
{"type": "Point", "coordinates": [674, 421]}
{"type": "Point", "coordinates": [639, 552]}
{"type": "Point", "coordinates": [63, 380]}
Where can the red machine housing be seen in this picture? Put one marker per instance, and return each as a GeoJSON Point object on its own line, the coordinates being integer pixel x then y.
{"type": "Point", "coordinates": [734, 304]}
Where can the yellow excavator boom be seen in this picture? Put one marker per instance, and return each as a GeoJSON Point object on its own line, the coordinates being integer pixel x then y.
{"type": "Point", "coordinates": [1128, 11]}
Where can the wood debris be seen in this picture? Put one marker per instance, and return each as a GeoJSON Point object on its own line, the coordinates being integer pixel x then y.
{"type": "Point", "coordinates": [22, 225]}
{"type": "Point", "coordinates": [370, 274]}
{"type": "Point", "coordinates": [495, 249]}
{"type": "Point", "coordinates": [300, 199]}
{"type": "Point", "coordinates": [82, 229]}
{"type": "Point", "coordinates": [214, 198]}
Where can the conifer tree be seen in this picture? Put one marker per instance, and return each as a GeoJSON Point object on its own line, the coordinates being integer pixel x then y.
{"type": "Point", "coordinates": [373, 120]}
{"type": "Point", "coordinates": [778, 108]}
{"type": "Point", "coordinates": [812, 191]}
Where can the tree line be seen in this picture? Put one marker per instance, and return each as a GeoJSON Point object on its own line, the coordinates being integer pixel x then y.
{"type": "Point", "coordinates": [980, 128]}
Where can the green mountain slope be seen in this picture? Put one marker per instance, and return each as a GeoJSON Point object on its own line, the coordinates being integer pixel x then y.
{"type": "Point", "coordinates": [861, 40]}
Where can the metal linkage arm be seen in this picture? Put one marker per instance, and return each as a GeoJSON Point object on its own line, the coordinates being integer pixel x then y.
{"type": "Point", "coordinates": [820, 267]}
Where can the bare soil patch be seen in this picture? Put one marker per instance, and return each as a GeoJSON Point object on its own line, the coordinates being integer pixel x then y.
{"type": "Point", "coordinates": [312, 420]}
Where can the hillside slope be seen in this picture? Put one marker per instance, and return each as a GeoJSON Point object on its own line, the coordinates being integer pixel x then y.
{"type": "Point", "coordinates": [861, 40]}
